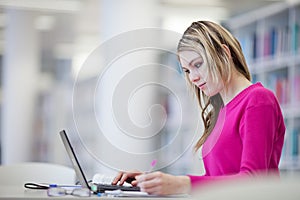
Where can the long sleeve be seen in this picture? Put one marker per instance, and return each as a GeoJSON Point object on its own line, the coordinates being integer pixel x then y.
{"type": "Point", "coordinates": [249, 143]}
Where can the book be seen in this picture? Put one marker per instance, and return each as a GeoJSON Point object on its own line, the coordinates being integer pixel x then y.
{"type": "Point", "coordinates": [254, 47]}
{"type": "Point", "coordinates": [295, 38]}
{"type": "Point", "coordinates": [273, 41]}
{"type": "Point", "coordinates": [102, 179]}
{"type": "Point", "coordinates": [296, 88]}
{"type": "Point", "coordinates": [295, 143]}
{"type": "Point", "coordinates": [267, 44]}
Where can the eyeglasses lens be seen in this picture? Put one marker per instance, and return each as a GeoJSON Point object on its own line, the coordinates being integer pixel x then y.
{"type": "Point", "coordinates": [57, 191]}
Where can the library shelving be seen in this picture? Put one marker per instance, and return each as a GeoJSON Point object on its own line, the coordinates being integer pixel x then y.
{"type": "Point", "coordinates": [269, 37]}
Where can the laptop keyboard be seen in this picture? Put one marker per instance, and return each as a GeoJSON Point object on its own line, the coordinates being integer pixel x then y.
{"type": "Point", "coordinates": [102, 187]}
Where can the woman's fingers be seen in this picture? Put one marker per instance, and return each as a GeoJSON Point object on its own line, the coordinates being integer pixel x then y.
{"type": "Point", "coordinates": [148, 176]}
{"type": "Point", "coordinates": [134, 183]}
{"type": "Point", "coordinates": [157, 183]}
{"type": "Point", "coordinates": [117, 178]}
{"type": "Point", "coordinates": [150, 183]}
{"type": "Point", "coordinates": [123, 177]}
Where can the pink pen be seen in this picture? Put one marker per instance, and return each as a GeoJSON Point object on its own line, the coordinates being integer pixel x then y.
{"type": "Point", "coordinates": [152, 165]}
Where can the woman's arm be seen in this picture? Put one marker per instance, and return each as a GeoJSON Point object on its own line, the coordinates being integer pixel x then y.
{"type": "Point", "coordinates": [262, 134]}
{"type": "Point", "coordinates": [159, 183]}
{"type": "Point", "coordinates": [156, 183]}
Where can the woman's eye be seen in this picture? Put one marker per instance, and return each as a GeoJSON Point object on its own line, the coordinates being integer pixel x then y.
{"type": "Point", "coordinates": [186, 71]}
{"type": "Point", "coordinates": [198, 64]}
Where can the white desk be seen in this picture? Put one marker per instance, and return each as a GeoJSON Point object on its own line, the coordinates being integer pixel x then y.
{"type": "Point", "coordinates": [14, 192]}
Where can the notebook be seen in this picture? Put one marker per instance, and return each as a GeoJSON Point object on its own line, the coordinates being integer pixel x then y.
{"type": "Point", "coordinates": [96, 187]}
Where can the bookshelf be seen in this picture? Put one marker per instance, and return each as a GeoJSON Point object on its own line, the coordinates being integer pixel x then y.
{"type": "Point", "coordinates": [270, 40]}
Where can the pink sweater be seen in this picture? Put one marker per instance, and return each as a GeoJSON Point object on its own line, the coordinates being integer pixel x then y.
{"type": "Point", "coordinates": [247, 139]}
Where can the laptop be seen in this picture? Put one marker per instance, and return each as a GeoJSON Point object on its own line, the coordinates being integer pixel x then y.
{"type": "Point", "coordinates": [96, 188]}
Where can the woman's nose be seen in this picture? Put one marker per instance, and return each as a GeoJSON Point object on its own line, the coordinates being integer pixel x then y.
{"type": "Point", "coordinates": [194, 77]}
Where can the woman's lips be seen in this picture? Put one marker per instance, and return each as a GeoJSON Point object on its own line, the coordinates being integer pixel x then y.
{"type": "Point", "coordinates": [201, 86]}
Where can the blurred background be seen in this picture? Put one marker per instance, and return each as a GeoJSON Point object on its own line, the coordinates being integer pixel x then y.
{"type": "Point", "coordinates": [45, 43]}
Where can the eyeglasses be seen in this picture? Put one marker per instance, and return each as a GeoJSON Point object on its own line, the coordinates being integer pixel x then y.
{"type": "Point", "coordinates": [59, 191]}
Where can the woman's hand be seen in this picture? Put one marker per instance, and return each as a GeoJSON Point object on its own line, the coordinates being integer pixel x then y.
{"type": "Point", "coordinates": [128, 177]}
{"type": "Point", "coordinates": [159, 183]}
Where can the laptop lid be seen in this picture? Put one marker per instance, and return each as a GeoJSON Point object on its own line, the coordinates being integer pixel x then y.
{"type": "Point", "coordinates": [80, 174]}
{"type": "Point", "coordinates": [74, 160]}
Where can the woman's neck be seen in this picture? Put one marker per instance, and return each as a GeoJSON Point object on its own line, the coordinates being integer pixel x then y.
{"type": "Point", "coordinates": [237, 84]}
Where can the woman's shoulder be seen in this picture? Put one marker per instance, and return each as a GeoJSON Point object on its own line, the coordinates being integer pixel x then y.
{"type": "Point", "coordinates": [258, 95]}
{"type": "Point", "coordinates": [257, 89]}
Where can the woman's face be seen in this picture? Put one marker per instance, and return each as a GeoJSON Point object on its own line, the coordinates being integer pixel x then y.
{"type": "Point", "coordinates": [196, 67]}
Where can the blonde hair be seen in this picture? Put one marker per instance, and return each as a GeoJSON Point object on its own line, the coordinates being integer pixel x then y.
{"type": "Point", "coordinates": [210, 38]}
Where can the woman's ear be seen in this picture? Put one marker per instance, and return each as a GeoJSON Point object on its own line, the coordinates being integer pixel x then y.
{"type": "Point", "coordinates": [227, 50]}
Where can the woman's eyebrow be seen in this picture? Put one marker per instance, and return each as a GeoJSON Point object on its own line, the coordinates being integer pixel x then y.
{"type": "Point", "coordinates": [190, 63]}
{"type": "Point", "coordinates": [184, 68]}
{"type": "Point", "coordinates": [194, 60]}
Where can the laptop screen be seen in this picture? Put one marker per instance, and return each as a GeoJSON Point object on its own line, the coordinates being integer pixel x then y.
{"type": "Point", "coordinates": [99, 187]}
{"type": "Point", "coordinates": [74, 160]}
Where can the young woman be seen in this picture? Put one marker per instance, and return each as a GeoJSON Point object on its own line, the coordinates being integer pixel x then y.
{"type": "Point", "coordinates": [243, 124]}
